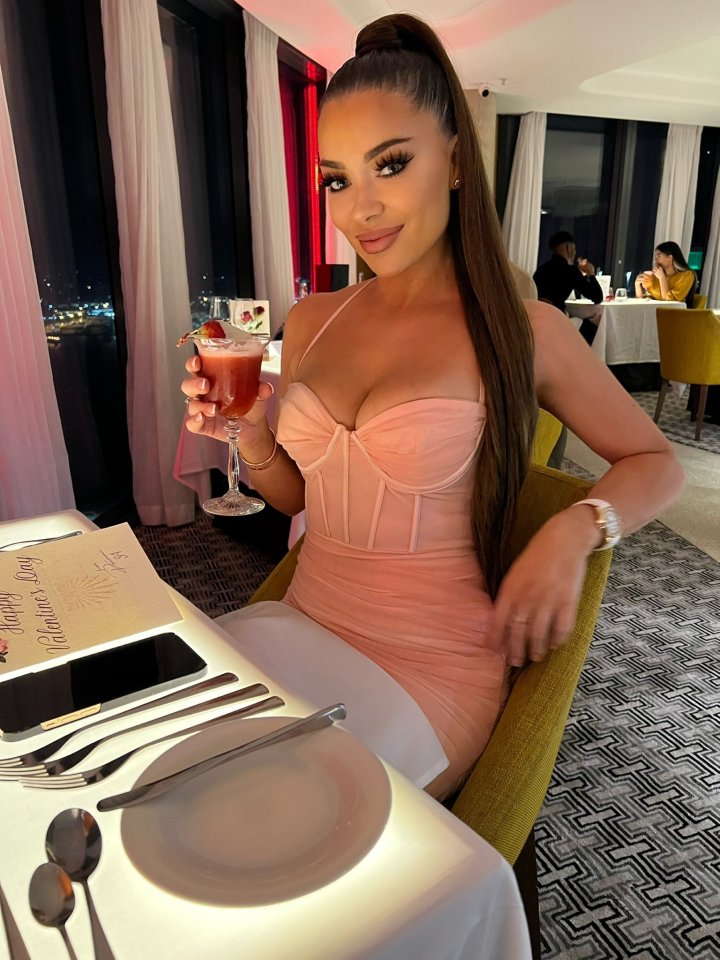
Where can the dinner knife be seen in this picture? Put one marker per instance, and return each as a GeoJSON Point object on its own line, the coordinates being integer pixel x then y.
{"type": "Point", "coordinates": [148, 791]}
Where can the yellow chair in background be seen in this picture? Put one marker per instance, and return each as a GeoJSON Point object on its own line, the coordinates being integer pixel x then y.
{"type": "Point", "coordinates": [689, 344]}
{"type": "Point", "coordinates": [699, 301]}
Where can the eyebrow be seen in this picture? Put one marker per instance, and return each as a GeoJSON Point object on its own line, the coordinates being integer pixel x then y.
{"type": "Point", "coordinates": [370, 155]}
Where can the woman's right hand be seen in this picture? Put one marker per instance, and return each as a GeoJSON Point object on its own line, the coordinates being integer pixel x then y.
{"type": "Point", "coordinates": [203, 418]}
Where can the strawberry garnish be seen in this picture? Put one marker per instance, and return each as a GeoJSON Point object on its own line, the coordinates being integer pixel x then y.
{"type": "Point", "coordinates": [210, 330]}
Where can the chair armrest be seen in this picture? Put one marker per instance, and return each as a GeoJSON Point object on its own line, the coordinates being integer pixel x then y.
{"type": "Point", "coordinates": [503, 796]}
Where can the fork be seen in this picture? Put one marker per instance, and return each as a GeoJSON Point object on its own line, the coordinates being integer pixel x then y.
{"type": "Point", "coordinates": [56, 767]}
{"type": "Point", "coordinates": [86, 778]}
{"type": "Point", "coordinates": [34, 543]}
{"type": "Point", "coordinates": [42, 753]}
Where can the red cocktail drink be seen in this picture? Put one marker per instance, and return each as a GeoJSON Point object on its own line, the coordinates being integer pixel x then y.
{"type": "Point", "coordinates": [233, 376]}
{"type": "Point", "coordinates": [232, 369]}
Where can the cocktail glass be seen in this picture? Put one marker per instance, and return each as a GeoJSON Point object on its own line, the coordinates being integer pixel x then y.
{"type": "Point", "coordinates": [232, 369]}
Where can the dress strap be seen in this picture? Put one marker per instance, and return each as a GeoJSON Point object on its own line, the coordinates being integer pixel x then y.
{"type": "Point", "coordinates": [330, 319]}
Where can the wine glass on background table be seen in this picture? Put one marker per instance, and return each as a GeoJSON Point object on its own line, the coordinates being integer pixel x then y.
{"type": "Point", "coordinates": [232, 369]}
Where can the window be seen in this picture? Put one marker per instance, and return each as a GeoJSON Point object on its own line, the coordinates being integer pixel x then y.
{"type": "Point", "coordinates": [204, 44]}
{"type": "Point", "coordinates": [577, 171]}
{"type": "Point", "coordinates": [54, 79]}
{"type": "Point", "coordinates": [302, 82]}
{"type": "Point", "coordinates": [704, 198]}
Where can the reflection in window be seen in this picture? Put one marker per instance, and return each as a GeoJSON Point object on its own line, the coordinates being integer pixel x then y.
{"type": "Point", "coordinates": [572, 191]}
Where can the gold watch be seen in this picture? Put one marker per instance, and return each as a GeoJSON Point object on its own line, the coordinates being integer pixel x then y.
{"type": "Point", "coordinates": [607, 521]}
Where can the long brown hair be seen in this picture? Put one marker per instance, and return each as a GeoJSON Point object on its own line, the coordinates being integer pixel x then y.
{"type": "Point", "coordinates": [402, 54]}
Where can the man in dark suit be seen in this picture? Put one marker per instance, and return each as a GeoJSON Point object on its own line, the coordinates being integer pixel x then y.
{"type": "Point", "coordinates": [562, 273]}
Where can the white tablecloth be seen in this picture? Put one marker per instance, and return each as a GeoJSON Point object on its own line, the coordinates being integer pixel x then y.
{"type": "Point", "coordinates": [627, 332]}
{"type": "Point", "coordinates": [430, 888]}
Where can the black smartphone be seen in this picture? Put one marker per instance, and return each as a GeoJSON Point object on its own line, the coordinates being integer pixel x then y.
{"type": "Point", "coordinates": [50, 697]}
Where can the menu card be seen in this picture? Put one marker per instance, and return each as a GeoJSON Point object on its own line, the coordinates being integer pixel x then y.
{"type": "Point", "coordinates": [60, 598]}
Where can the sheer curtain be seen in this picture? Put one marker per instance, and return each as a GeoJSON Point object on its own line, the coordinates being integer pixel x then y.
{"type": "Point", "coordinates": [521, 223]}
{"type": "Point", "coordinates": [152, 253]}
{"type": "Point", "coordinates": [34, 470]}
{"type": "Point", "coordinates": [676, 206]}
{"type": "Point", "coordinates": [338, 248]}
{"type": "Point", "coordinates": [269, 206]}
{"type": "Point", "coordinates": [711, 271]}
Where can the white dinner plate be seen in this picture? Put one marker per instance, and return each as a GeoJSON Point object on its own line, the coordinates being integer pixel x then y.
{"type": "Point", "coordinates": [270, 826]}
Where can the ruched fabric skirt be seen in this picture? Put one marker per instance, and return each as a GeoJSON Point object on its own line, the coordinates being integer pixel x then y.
{"type": "Point", "coordinates": [422, 617]}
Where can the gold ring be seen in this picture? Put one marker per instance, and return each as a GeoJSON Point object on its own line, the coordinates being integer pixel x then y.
{"type": "Point", "coordinates": [187, 401]}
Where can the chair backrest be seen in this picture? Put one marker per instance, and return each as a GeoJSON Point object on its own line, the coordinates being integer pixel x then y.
{"type": "Point", "coordinates": [505, 791]}
{"type": "Point", "coordinates": [689, 342]}
{"type": "Point", "coordinates": [546, 436]}
{"type": "Point", "coordinates": [699, 301]}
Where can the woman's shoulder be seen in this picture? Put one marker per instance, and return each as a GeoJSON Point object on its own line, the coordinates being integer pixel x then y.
{"type": "Point", "coordinates": [553, 334]}
{"type": "Point", "coordinates": [307, 317]}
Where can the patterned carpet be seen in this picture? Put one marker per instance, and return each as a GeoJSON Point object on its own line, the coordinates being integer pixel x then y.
{"type": "Point", "coordinates": [205, 564]}
{"type": "Point", "coordinates": [675, 422]}
{"type": "Point", "coordinates": [629, 839]}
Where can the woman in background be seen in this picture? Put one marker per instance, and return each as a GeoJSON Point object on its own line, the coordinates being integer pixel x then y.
{"type": "Point", "coordinates": [670, 279]}
{"type": "Point", "coordinates": [409, 405]}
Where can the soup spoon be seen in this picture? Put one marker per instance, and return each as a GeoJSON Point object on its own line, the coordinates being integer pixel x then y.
{"type": "Point", "coordinates": [73, 842]}
{"type": "Point", "coordinates": [52, 900]}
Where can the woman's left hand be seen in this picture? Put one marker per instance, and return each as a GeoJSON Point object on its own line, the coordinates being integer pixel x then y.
{"type": "Point", "coordinates": [536, 606]}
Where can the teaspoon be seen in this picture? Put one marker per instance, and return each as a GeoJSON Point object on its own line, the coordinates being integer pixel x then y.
{"type": "Point", "coordinates": [52, 900]}
{"type": "Point", "coordinates": [73, 842]}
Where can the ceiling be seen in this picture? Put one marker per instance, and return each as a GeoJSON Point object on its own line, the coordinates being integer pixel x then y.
{"type": "Point", "coordinates": [629, 59]}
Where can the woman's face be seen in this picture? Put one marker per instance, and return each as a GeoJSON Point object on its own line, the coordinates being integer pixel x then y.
{"type": "Point", "coordinates": [388, 169]}
{"type": "Point", "coordinates": [663, 260]}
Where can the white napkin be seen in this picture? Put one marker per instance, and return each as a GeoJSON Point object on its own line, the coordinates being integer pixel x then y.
{"type": "Point", "coordinates": [316, 665]}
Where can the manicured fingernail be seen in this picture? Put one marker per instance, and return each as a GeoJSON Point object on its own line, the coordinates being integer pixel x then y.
{"type": "Point", "coordinates": [272, 389]}
{"type": "Point", "coordinates": [211, 410]}
{"type": "Point", "coordinates": [203, 385]}
{"type": "Point", "coordinates": [198, 418]}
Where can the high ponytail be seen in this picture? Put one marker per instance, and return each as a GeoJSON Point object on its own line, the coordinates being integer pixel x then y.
{"type": "Point", "coordinates": [401, 54]}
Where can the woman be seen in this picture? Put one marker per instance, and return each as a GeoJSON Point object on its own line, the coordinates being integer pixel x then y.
{"type": "Point", "coordinates": [409, 404]}
{"type": "Point", "coordinates": [670, 279]}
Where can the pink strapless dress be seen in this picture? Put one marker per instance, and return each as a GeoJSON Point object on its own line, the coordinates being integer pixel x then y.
{"type": "Point", "coordinates": [388, 563]}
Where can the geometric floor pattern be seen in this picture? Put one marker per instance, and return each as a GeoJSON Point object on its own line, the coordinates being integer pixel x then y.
{"type": "Point", "coordinates": [675, 421]}
{"type": "Point", "coordinates": [628, 842]}
{"type": "Point", "coordinates": [213, 570]}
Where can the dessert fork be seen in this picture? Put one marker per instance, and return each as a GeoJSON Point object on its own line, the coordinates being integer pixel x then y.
{"type": "Point", "coordinates": [86, 778]}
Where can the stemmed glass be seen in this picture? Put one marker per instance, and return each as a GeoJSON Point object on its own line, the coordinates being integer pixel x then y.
{"type": "Point", "coordinates": [232, 369]}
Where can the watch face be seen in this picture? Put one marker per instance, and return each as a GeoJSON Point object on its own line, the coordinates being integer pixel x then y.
{"type": "Point", "coordinates": [613, 529]}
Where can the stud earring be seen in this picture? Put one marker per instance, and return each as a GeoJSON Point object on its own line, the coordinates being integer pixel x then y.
{"type": "Point", "coordinates": [457, 183]}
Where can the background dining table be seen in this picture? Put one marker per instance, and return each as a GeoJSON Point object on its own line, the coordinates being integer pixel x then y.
{"type": "Point", "coordinates": [627, 331]}
{"type": "Point", "coordinates": [428, 888]}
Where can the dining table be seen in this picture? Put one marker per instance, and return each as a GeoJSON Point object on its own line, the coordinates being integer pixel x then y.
{"type": "Point", "coordinates": [627, 329]}
{"type": "Point", "coordinates": [343, 856]}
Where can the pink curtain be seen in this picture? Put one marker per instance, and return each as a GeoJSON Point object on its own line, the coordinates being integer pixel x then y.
{"type": "Point", "coordinates": [34, 470]}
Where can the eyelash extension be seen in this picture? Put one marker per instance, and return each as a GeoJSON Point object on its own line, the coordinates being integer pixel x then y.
{"type": "Point", "coordinates": [327, 181]}
{"type": "Point", "coordinates": [401, 157]}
